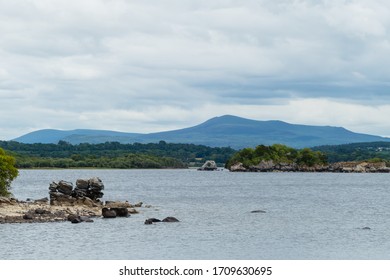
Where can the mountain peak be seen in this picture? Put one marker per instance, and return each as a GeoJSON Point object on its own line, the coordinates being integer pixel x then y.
{"type": "Point", "coordinates": [222, 131]}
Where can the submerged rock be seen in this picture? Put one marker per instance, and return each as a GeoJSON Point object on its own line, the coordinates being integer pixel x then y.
{"type": "Point", "coordinates": [170, 220]}
{"type": "Point", "coordinates": [258, 211]}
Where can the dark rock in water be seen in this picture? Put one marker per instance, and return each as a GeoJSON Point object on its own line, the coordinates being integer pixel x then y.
{"type": "Point", "coordinates": [72, 217]}
{"type": "Point", "coordinates": [76, 220]}
{"type": "Point", "coordinates": [121, 211]}
{"type": "Point", "coordinates": [258, 211]}
{"type": "Point", "coordinates": [170, 220]}
{"type": "Point", "coordinates": [151, 221]}
{"type": "Point", "coordinates": [108, 213]}
{"type": "Point", "coordinates": [366, 228]}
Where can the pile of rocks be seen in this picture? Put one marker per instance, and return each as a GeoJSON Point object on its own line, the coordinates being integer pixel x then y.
{"type": "Point", "coordinates": [87, 191]}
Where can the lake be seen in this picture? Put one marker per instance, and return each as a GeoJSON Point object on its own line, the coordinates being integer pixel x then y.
{"type": "Point", "coordinates": [315, 216]}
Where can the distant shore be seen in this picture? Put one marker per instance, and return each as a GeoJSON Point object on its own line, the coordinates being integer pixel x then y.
{"type": "Point", "coordinates": [338, 167]}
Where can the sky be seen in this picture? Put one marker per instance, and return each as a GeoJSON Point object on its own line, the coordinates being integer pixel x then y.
{"type": "Point", "coordinates": [147, 66]}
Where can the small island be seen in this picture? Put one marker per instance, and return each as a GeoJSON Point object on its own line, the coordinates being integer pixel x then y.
{"type": "Point", "coordinates": [281, 158]}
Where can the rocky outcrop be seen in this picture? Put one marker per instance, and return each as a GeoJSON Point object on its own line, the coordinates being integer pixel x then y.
{"type": "Point", "coordinates": [87, 191]}
{"type": "Point", "coordinates": [209, 165]}
{"type": "Point", "coordinates": [339, 167]}
{"type": "Point", "coordinates": [238, 167]}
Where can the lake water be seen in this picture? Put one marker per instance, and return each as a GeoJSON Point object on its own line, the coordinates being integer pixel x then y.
{"type": "Point", "coordinates": [308, 216]}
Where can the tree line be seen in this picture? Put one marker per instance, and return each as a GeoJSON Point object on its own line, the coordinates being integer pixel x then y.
{"type": "Point", "coordinates": [114, 155]}
{"type": "Point", "coordinates": [278, 153]}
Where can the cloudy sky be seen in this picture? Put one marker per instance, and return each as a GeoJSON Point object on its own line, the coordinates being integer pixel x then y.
{"type": "Point", "coordinates": [147, 66]}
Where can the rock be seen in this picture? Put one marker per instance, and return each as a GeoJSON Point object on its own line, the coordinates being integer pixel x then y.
{"type": "Point", "coordinates": [263, 166]}
{"type": "Point", "coordinates": [72, 217]}
{"type": "Point", "coordinates": [366, 228]}
{"type": "Point", "coordinates": [121, 212]}
{"type": "Point", "coordinates": [139, 204]}
{"type": "Point", "coordinates": [108, 213]}
{"type": "Point", "coordinates": [96, 183]}
{"type": "Point", "coordinates": [76, 220]}
{"type": "Point", "coordinates": [28, 216]}
{"type": "Point", "coordinates": [42, 200]}
{"type": "Point", "coordinates": [85, 188]}
{"type": "Point", "coordinates": [258, 211]}
{"type": "Point", "coordinates": [132, 211]}
{"type": "Point", "coordinates": [82, 184]}
{"type": "Point", "coordinates": [53, 187]}
{"type": "Point", "coordinates": [238, 167]}
{"type": "Point", "coordinates": [209, 165]}
{"type": "Point", "coordinates": [170, 220]}
{"type": "Point", "coordinates": [65, 187]}
{"type": "Point", "coordinates": [151, 221]}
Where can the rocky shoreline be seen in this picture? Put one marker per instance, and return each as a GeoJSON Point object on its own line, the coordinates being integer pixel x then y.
{"type": "Point", "coordinates": [16, 211]}
{"type": "Point", "coordinates": [79, 204]}
{"type": "Point", "coordinates": [339, 167]}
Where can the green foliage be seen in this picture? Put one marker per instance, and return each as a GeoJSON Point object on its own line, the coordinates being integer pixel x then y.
{"type": "Point", "coordinates": [113, 155]}
{"type": "Point", "coordinates": [8, 173]}
{"type": "Point", "coordinates": [356, 151]}
{"type": "Point", "coordinates": [278, 153]}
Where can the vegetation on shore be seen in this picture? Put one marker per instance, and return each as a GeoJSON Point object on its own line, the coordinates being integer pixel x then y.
{"type": "Point", "coordinates": [114, 155]}
{"type": "Point", "coordinates": [8, 172]}
{"type": "Point", "coordinates": [278, 153]}
{"type": "Point", "coordinates": [169, 155]}
{"type": "Point", "coordinates": [371, 151]}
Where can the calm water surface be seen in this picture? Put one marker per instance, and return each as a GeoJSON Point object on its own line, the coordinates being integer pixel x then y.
{"type": "Point", "coordinates": [308, 216]}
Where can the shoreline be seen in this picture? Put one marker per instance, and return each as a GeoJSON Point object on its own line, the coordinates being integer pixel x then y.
{"type": "Point", "coordinates": [17, 211]}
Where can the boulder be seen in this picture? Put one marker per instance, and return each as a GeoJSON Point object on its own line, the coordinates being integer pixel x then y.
{"type": "Point", "coordinates": [82, 184]}
{"type": "Point", "coordinates": [65, 187]}
{"type": "Point", "coordinates": [238, 167]}
{"type": "Point", "coordinates": [121, 211]}
{"type": "Point", "coordinates": [151, 221]}
{"type": "Point", "coordinates": [209, 165]}
{"type": "Point", "coordinates": [170, 220]}
{"type": "Point", "coordinates": [108, 213]}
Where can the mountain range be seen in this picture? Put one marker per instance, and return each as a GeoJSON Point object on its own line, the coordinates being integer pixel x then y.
{"type": "Point", "coordinates": [225, 131]}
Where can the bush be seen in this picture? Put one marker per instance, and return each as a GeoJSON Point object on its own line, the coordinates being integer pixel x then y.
{"type": "Point", "coordinates": [8, 173]}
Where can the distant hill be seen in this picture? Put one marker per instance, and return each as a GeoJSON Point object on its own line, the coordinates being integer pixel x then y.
{"type": "Point", "coordinates": [221, 131]}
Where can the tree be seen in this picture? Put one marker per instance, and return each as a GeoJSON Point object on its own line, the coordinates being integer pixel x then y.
{"type": "Point", "coordinates": [8, 173]}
